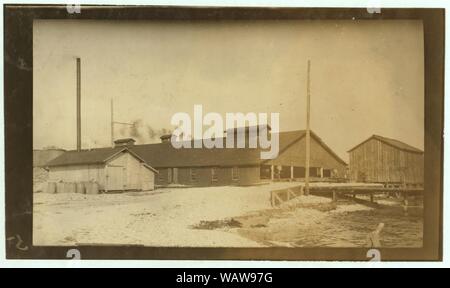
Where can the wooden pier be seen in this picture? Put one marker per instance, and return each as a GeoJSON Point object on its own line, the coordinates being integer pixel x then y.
{"type": "Point", "coordinates": [335, 192]}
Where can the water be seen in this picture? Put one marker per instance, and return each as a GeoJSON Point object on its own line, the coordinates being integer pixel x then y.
{"type": "Point", "coordinates": [346, 224]}
{"type": "Point", "coordinates": [350, 229]}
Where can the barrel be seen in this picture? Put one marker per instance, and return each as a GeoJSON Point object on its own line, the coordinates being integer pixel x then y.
{"type": "Point", "coordinates": [51, 187]}
{"type": "Point", "coordinates": [80, 188]}
{"type": "Point", "coordinates": [92, 188]}
{"type": "Point", "coordinates": [60, 187]}
{"type": "Point", "coordinates": [69, 187]}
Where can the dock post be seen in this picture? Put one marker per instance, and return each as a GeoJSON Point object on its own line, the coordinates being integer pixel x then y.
{"type": "Point", "coordinates": [334, 196]}
{"type": "Point", "coordinates": [405, 204]}
{"type": "Point", "coordinates": [308, 130]}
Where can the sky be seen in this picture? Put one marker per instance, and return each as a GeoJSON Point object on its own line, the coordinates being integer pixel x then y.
{"type": "Point", "coordinates": [367, 77]}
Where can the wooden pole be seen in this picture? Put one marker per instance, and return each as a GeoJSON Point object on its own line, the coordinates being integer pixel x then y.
{"type": "Point", "coordinates": [308, 132]}
{"type": "Point", "coordinates": [78, 104]}
{"type": "Point", "coordinates": [112, 124]}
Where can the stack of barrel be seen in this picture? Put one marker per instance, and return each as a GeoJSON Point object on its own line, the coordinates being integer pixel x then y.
{"type": "Point", "coordinates": [73, 187]}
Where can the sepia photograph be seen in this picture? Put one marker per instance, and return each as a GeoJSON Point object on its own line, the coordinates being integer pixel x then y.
{"type": "Point", "coordinates": [229, 133]}
{"type": "Point", "coordinates": [239, 135]}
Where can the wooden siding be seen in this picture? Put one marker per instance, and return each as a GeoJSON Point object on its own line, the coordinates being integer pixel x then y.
{"type": "Point", "coordinates": [78, 173]}
{"type": "Point", "coordinates": [247, 176]}
{"type": "Point", "coordinates": [375, 161]}
{"type": "Point", "coordinates": [251, 175]}
{"type": "Point", "coordinates": [132, 170]}
{"type": "Point", "coordinates": [135, 175]}
{"type": "Point", "coordinates": [295, 156]}
{"type": "Point", "coordinates": [147, 178]}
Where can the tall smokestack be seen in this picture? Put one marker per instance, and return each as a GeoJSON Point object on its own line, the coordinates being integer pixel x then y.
{"type": "Point", "coordinates": [78, 104]}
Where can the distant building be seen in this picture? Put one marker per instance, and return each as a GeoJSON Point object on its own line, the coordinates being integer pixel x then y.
{"type": "Point", "coordinates": [42, 156]}
{"type": "Point", "coordinates": [383, 160]}
{"type": "Point", "coordinates": [114, 169]}
{"type": "Point", "coordinates": [241, 166]}
{"type": "Point", "coordinates": [197, 166]}
{"type": "Point", "coordinates": [40, 159]}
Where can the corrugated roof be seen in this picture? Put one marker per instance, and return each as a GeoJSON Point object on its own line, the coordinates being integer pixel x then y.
{"type": "Point", "coordinates": [164, 155]}
{"type": "Point", "coordinates": [391, 142]}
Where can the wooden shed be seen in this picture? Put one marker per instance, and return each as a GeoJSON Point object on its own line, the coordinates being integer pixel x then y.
{"type": "Point", "coordinates": [114, 169]}
{"type": "Point", "coordinates": [384, 160]}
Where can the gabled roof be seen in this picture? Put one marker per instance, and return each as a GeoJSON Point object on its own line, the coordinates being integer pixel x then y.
{"type": "Point", "coordinates": [164, 155]}
{"type": "Point", "coordinates": [93, 156]}
{"type": "Point", "coordinates": [391, 142]}
{"type": "Point", "coordinates": [289, 138]}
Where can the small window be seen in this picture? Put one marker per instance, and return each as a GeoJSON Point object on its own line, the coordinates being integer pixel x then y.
{"type": "Point", "coordinates": [264, 172]}
{"type": "Point", "coordinates": [314, 172]}
{"type": "Point", "coordinates": [235, 173]}
{"type": "Point", "coordinates": [193, 174]}
{"type": "Point", "coordinates": [214, 177]}
{"type": "Point", "coordinates": [299, 172]}
{"type": "Point", "coordinates": [326, 173]}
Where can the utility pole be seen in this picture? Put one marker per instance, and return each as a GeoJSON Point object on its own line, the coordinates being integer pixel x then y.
{"type": "Point", "coordinates": [112, 123]}
{"type": "Point", "coordinates": [308, 129]}
{"type": "Point", "coordinates": [78, 104]}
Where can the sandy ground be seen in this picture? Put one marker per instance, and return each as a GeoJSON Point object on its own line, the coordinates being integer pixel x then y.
{"type": "Point", "coordinates": [159, 218]}
{"type": "Point", "coordinates": [172, 216]}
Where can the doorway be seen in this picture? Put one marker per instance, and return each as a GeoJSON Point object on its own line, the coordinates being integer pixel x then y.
{"type": "Point", "coordinates": [115, 178]}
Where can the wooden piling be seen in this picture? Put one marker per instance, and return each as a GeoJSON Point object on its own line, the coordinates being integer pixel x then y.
{"type": "Point", "coordinates": [308, 129]}
{"type": "Point", "coordinates": [334, 196]}
{"type": "Point", "coordinates": [405, 204]}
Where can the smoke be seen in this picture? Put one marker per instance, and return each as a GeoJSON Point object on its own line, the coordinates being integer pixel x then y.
{"type": "Point", "coordinates": [123, 131]}
{"type": "Point", "coordinates": [143, 133]}
{"type": "Point", "coordinates": [134, 130]}
{"type": "Point", "coordinates": [151, 132]}
{"type": "Point", "coordinates": [154, 134]}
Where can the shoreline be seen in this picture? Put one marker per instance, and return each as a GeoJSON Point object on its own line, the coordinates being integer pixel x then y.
{"type": "Point", "coordinates": [312, 221]}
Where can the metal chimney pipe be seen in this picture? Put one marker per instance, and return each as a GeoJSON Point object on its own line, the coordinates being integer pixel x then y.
{"type": "Point", "coordinates": [78, 104]}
